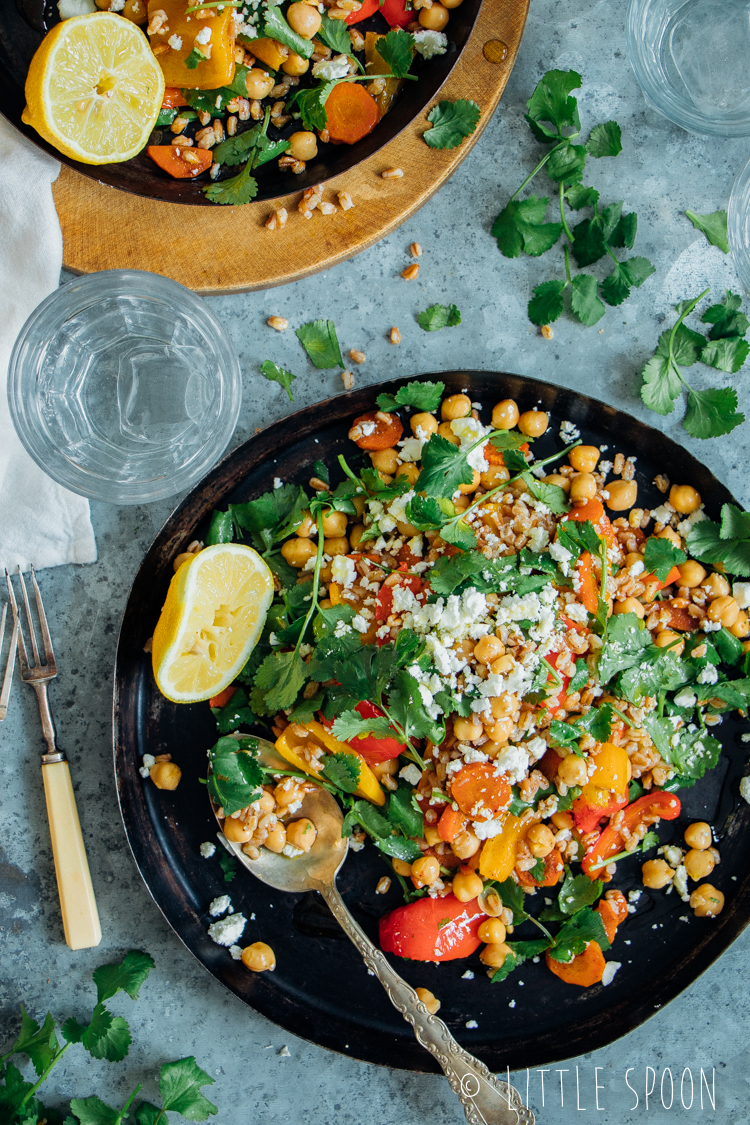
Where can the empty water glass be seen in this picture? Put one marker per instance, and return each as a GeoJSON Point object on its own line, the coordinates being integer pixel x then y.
{"type": "Point", "coordinates": [124, 387]}
{"type": "Point", "coordinates": [691, 59]}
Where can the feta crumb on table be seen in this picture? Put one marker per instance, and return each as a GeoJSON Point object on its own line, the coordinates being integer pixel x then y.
{"type": "Point", "coordinates": [228, 930]}
{"type": "Point", "coordinates": [208, 849]}
{"type": "Point", "coordinates": [219, 906]}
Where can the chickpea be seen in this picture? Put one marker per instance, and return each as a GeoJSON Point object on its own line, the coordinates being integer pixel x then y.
{"type": "Point", "coordinates": [136, 11]}
{"type": "Point", "coordinates": [667, 637]}
{"type": "Point", "coordinates": [386, 460]}
{"type": "Point", "coordinates": [670, 534]}
{"type": "Point", "coordinates": [698, 835]}
{"type": "Point", "coordinates": [408, 470]}
{"type": "Point", "coordinates": [716, 585]}
{"type": "Point", "coordinates": [301, 834]}
{"type": "Point", "coordinates": [237, 832]}
{"type": "Point", "coordinates": [572, 771]}
{"type": "Point", "coordinates": [494, 955]}
{"type": "Point", "coordinates": [622, 495]}
{"type": "Point", "coordinates": [630, 605]}
{"type": "Point", "coordinates": [584, 458]}
{"type": "Point", "coordinates": [259, 84]}
{"type": "Point", "coordinates": [540, 840]}
{"type": "Point", "coordinates": [286, 794]}
{"type": "Point", "coordinates": [334, 523]}
{"type": "Point", "coordinates": [465, 844]}
{"type": "Point", "coordinates": [699, 864]}
{"type": "Point", "coordinates": [533, 423]}
{"type": "Point", "coordinates": [560, 481]}
{"type": "Point", "coordinates": [656, 873]}
{"type": "Point", "coordinates": [498, 732]}
{"type": "Point", "coordinates": [461, 502]}
{"type": "Point", "coordinates": [473, 485]}
{"type": "Point", "coordinates": [500, 665]}
{"type": "Point", "coordinates": [466, 730]}
{"type": "Point", "coordinates": [706, 901]}
{"type": "Point", "coordinates": [276, 838]}
{"type": "Point", "coordinates": [298, 551]}
{"type": "Point", "coordinates": [303, 146]}
{"type": "Point", "coordinates": [562, 820]}
{"type": "Point", "coordinates": [308, 527]}
{"type": "Point", "coordinates": [304, 19]}
{"type": "Point", "coordinates": [488, 649]}
{"type": "Point", "coordinates": [165, 775]}
{"type": "Point", "coordinates": [266, 803]}
{"type": "Point", "coordinates": [259, 957]}
{"type": "Point", "coordinates": [492, 931]}
{"type": "Point", "coordinates": [355, 535]}
{"type": "Point", "coordinates": [741, 627]}
{"type": "Point", "coordinates": [724, 609]}
{"type": "Point", "coordinates": [467, 886]}
{"type": "Point", "coordinates": [582, 487]}
{"type": "Point", "coordinates": [337, 545]}
{"type": "Point", "coordinates": [295, 65]}
{"type": "Point", "coordinates": [401, 867]}
{"type": "Point", "coordinates": [431, 835]}
{"type": "Point", "coordinates": [445, 431]}
{"type": "Point", "coordinates": [684, 498]}
{"type": "Point", "coordinates": [430, 1001]}
{"type": "Point", "coordinates": [492, 477]}
{"type": "Point", "coordinates": [434, 19]}
{"type": "Point", "coordinates": [425, 871]}
{"type": "Point", "coordinates": [691, 574]}
{"type": "Point", "coordinates": [452, 3]}
{"type": "Point", "coordinates": [455, 406]}
{"type": "Point", "coordinates": [505, 415]}
{"type": "Point", "coordinates": [423, 425]}
{"type": "Point", "coordinates": [359, 505]}
{"type": "Point", "coordinates": [632, 558]}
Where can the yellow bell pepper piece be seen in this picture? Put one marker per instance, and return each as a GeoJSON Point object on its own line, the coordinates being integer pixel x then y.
{"type": "Point", "coordinates": [271, 52]}
{"type": "Point", "coordinates": [612, 768]}
{"type": "Point", "coordinates": [498, 856]}
{"type": "Point", "coordinates": [376, 65]}
{"type": "Point", "coordinates": [287, 745]}
{"type": "Point", "coordinates": [217, 69]}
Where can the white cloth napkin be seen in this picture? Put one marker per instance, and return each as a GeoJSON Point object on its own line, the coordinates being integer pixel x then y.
{"type": "Point", "coordinates": [41, 523]}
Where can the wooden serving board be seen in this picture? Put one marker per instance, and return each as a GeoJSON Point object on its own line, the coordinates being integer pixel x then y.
{"type": "Point", "coordinates": [216, 250]}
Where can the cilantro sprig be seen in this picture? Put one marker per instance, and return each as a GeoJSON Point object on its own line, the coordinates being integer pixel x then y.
{"type": "Point", "coordinates": [714, 226]}
{"type": "Point", "coordinates": [726, 542]}
{"type": "Point", "coordinates": [276, 374]}
{"type": "Point", "coordinates": [319, 339]}
{"type": "Point", "coordinates": [255, 148]}
{"type": "Point", "coordinates": [419, 395]}
{"type": "Point", "coordinates": [451, 123]}
{"type": "Point", "coordinates": [712, 412]}
{"type": "Point", "coordinates": [439, 316]}
{"type": "Point", "coordinates": [522, 225]}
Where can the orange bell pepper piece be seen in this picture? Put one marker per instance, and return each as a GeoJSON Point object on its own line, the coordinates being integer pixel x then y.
{"type": "Point", "coordinates": [584, 970]}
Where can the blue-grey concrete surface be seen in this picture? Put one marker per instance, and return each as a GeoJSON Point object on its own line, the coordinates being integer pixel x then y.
{"type": "Point", "coordinates": [184, 1011]}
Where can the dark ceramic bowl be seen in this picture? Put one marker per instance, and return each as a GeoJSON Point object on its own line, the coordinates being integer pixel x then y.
{"type": "Point", "coordinates": [22, 27]}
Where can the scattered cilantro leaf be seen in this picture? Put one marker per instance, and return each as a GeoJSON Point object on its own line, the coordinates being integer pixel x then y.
{"type": "Point", "coordinates": [728, 354]}
{"type": "Point", "coordinates": [578, 891]}
{"type": "Point", "coordinates": [220, 529]}
{"type": "Point", "coordinates": [605, 140]}
{"type": "Point", "coordinates": [128, 976]}
{"type": "Point", "coordinates": [662, 385]}
{"type": "Point", "coordinates": [521, 226]}
{"type": "Point", "coordinates": [404, 813]}
{"type": "Point", "coordinates": [546, 304]}
{"type": "Point", "coordinates": [566, 164]}
{"type": "Point", "coordinates": [725, 318]}
{"type": "Point", "coordinates": [712, 413]}
{"type": "Point", "coordinates": [627, 637]}
{"type": "Point", "coordinates": [420, 394]}
{"type": "Point", "coordinates": [727, 542]}
{"type": "Point", "coordinates": [39, 1043]}
{"type": "Point", "coordinates": [632, 273]}
{"type": "Point", "coordinates": [439, 316]}
{"type": "Point", "coordinates": [195, 57]}
{"type": "Point", "coordinates": [585, 926]}
{"type": "Point", "coordinates": [320, 341]}
{"type": "Point", "coordinates": [577, 197]}
{"type": "Point", "coordinates": [520, 951]}
{"type": "Point", "coordinates": [584, 301]}
{"type": "Point", "coordinates": [280, 677]}
{"type": "Point", "coordinates": [660, 556]}
{"type": "Point", "coordinates": [350, 724]}
{"type": "Point", "coordinates": [180, 1086]}
{"type": "Point", "coordinates": [311, 103]}
{"type": "Point", "coordinates": [107, 1036]}
{"type": "Point", "coordinates": [551, 102]}
{"type": "Point", "coordinates": [396, 49]}
{"type": "Point", "coordinates": [234, 192]}
{"type": "Point", "coordinates": [335, 34]}
{"type": "Point", "coordinates": [93, 1111]}
{"type": "Point", "coordinates": [277, 374]}
{"type": "Point", "coordinates": [451, 122]}
{"type": "Point", "coordinates": [714, 226]}
{"type": "Point", "coordinates": [228, 865]}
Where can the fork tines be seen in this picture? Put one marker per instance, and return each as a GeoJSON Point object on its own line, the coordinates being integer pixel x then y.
{"type": "Point", "coordinates": [10, 664]}
{"type": "Point", "coordinates": [37, 670]}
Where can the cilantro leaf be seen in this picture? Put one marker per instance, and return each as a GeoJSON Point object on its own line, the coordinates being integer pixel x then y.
{"type": "Point", "coordinates": [451, 122]}
{"type": "Point", "coordinates": [708, 542]}
{"type": "Point", "coordinates": [626, 640]}
{"type": "Point", "coordinates": [235, 777]}
{"type": "Point", "coordinates": [449, 573]}
{"type": "Point", "coordinates": [439, 316]}
{"type": "Point", "coordinates": [343, 771]}
{"type": "Point", "coordinates": [335, 34]}
{"type": "Point", "coordinates": [605, 140]}
{"type": "Point", "coordinates": [404, 813]}
{"type": "Point", "coordinates": [276, 27]}
{"type": "Point", "coordinates": [268, 514]}
{"type": "Point", "coordinates": [406, 706]}
{"type": "Point", "coordinates": [128, 976]}
{"type": "Point", "coordinates": [586, 925]}
{"type": "Point", "coordinates": [521, 226]}
{"type": "Point", "coordinates": [726, 354]}
{"type": "Point", "coordinates": [39, 1043]}
{"type": "Point", "coordinates": [584, 301]}
{"type": "Point", "coordinates": [350, 725]}
{"type": "Point", "coordinates": [546, 303]}
{"type": "Point", "coordinates": [520, 951]}
{"type": "Point", "coordinates": [277, 374]}
{"type": "Point", "coordinates": [420, 394]}
{"type": "Point", "coordinates": [714, 226]}
{"type": "Point", "coordinates": [712, 413]}
{"type": "Point", "coordinates": [233, 714]}
{"type": "Point", "coordinates": [551, 102]}
{"type": "Point", "coordinates": [396, 49]}
{"type": "Point", "coordinates": [579, 197]}
{"type": "Point", "coordinates": [107, 1036]}
{"type": "Point", "coordinates": [221, 528]}
{"type": "Point", "coordinates": [311, 104]}
{"type": "Point", "coordinates": [251, 145]}
{"type": "Point", "coordinates": [459, 534]}
{"type": "Point", "coordinates": [180, 1085]}
{"type": "Point", "coordinates": [616, 288]}
{"type": "Point", "coordinates": [578, 891]}
{"type": "Point", "coordinates": [280, 677]}
{"type": "Point", "coordinates": [566, 163]}
{"type": "Point", "coordinates": [234, 192]}
{"type": "Point", "coordinates": [228, 865]}
{"type": "Point", "coordinates": [381, 831]}
{"type": "Point", "coordinates": [662, 385]}
{"type": "Point", "coordinates": [660, 556]}
{"type": "Point", "coordinates": [728, 646]}
{"type": "Point", "coordinates": [513, 897]}
{"type": "Point", "coordinates": [624, 233]}
{"type": "Point", "coordinates": [320, 341]}
{"type": "Point", "coordinates": [550, 494]}
{"type": "Point", "coordinates": [93, 1111]}
{"type": "Point", "coordinates": [734, 522]}
{"type": "Point", "coordinates": [589, 241]}
{"type": "Point", "coordinates": [690, 754]}
{"type": "Point", "coordinates": [444, 468]}
{"type": "Point", "coordinates": [726, 318]}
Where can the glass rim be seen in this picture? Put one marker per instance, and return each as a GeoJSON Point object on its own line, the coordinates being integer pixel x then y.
{"type": "Point", "coordinates": [71, 298]}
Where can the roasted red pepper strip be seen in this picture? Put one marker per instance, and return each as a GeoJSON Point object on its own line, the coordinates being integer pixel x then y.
{"type": "Point", "coordinates": [659, 806]}
{"type": "Point", "coordinates": [394, 11]}
{"type": "Point", "coordinates": [432, 929]}
{"type": "Point", "coordinates": [369, 8]}
{"type": "Point", "coordinates": [372, 748]}
{"type": "Point", "coordinates": [588, 817]}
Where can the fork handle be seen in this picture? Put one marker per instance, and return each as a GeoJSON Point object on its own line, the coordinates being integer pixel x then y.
{"type": "Point", "coordinates": [77, 903]}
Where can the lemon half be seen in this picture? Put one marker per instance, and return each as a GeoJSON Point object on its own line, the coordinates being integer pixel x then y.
{"type": "Point", "coordinates": [215, 609]}
{"type": "Point", "coordinates": [94, 89]}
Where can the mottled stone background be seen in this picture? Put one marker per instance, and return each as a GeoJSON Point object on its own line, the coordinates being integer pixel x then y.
{"type": "Point", "coordinates": [183, 1010]}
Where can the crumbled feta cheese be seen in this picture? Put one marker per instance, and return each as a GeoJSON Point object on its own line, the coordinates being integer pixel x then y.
{"type": "Point", "coordinates": [411, 449]}
{"type": "Point", "coordinates": [468, 975]}
{"type": "Point", "coordinates": [745, 789]}
{"type": "Point", "coordinates": [236, 952]}
{"type": "Point", "coordinates": [535, 748]}
{"type": "Point", "coordinates": [70, 8]}
{"type": "Point", "coordinates": [430, 43]}
{"type": "Point", "coordinates": [290, 851]}
{"type": "Point", "coordinates": [219, 906]}
{"type": "Point", "coordinates": [512, 1004]}
{"type": "Point", "coordinates": [634, 895]}
{"type": "Point", "coordinates": [685, 698]}
{"type": "Point", "coordinates": [343, 570]}
{"type": "Point", "coordinates": [411, 774]}
{"type": "Point", "coordinates": [228, 930]}
{"type": "Point", "coordinates": [609, 971]}
{"type": "Point", "coordinates": [636, 569]}
{"type": "Point", "coordinates": [174, 41]}
{"type": "Point", "coordinates": [604, 467]}
{"type": "Point", "coordinates": [708, 675]}
{"type": "Point", "coordinates": [144, 771]}
{"type": "Point", "coordinates": [472, 1023]}
{"type": "Point", "coordinates": [687, 525]}
{"type": "Point", "coordinates": [208, 849]}
{"type": "Point", "coordinates": [356, 845]}
{"type": "Point", "coordinates": [360, 624]}
{"type": "Point", "coordinates": [741, 594]}
{"type": "Point", "coordinates": [149, 760]}
{"type": "Point", "coordinates": [680, 883]}
{"type": "Point", "coordinates": [673, 855]}
{"type": "Point", "coordinates": [487, 829]}
{"type": "Point", "coordinates": [278, 482]}
{"type": "Point", "coordinates": [367, 428]}
{"type": "Point", "coordinates": [330, 69]}
{"type": "Point", "coordinates": [569, 433]}
{"type": "Point", "coordinates": [514, 761]}
{"type": "Point", "coordinates": [203, 36]}
{"type": "Point", "coordinates": [663, 513]}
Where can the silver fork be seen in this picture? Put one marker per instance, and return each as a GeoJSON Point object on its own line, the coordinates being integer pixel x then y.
{"type": "Point", "coordinates": [77, 903]}
{"type": "Point", "coordinates": [8, 677]}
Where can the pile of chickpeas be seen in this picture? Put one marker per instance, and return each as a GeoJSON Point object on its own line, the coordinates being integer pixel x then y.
{"type": "Point", "coordinates": [266, 822]}
{"type": "Point", "coordinates": [705, 901]}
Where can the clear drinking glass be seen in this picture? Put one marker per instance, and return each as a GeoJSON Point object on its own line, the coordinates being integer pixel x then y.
{"type": "Point", "coordinates": [738, 225]}
{"type": "Point", "coordinates": [692, 60]}
{"type": "Point", "coordinates": [124, 387]}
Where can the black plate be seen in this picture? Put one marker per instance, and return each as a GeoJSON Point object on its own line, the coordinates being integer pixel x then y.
{"type": "Point", "coordinates": [320, 989]}
{"type": "Point", "coordinates": [22, 24]}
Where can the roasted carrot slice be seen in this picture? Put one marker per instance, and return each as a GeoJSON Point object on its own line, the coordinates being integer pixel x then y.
{"type": "Point", "coordinates": [584, 970]}
{"type": "Point", "coordinates": [352, 113]}
{"type": "Point", "coordinates": [182, 163]}
{"type": "Point", "coordinates": [613, 909]}
{"type": "Point", "coordinates": [450, 824]}
{"type": "Point", "coordinates": [223, 697]}
{"type": "Point", "coordinates": [594, 510]}
{"type": "Point", "coordinates": [588, 592]}
{"type": "Point", "coordinates": [551, 875]}
{"type": "Point", "coordinates": [477, 786]}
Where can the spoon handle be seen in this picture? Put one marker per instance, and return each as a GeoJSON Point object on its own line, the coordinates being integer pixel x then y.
{"type": "Point", "coordinates": [486, 1100]}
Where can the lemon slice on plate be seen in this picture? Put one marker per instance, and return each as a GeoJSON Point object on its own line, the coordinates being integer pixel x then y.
{"type": "Point", "coordinates": [94, 89]}
{"type": "Point", "coordinates": [215, 609]}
